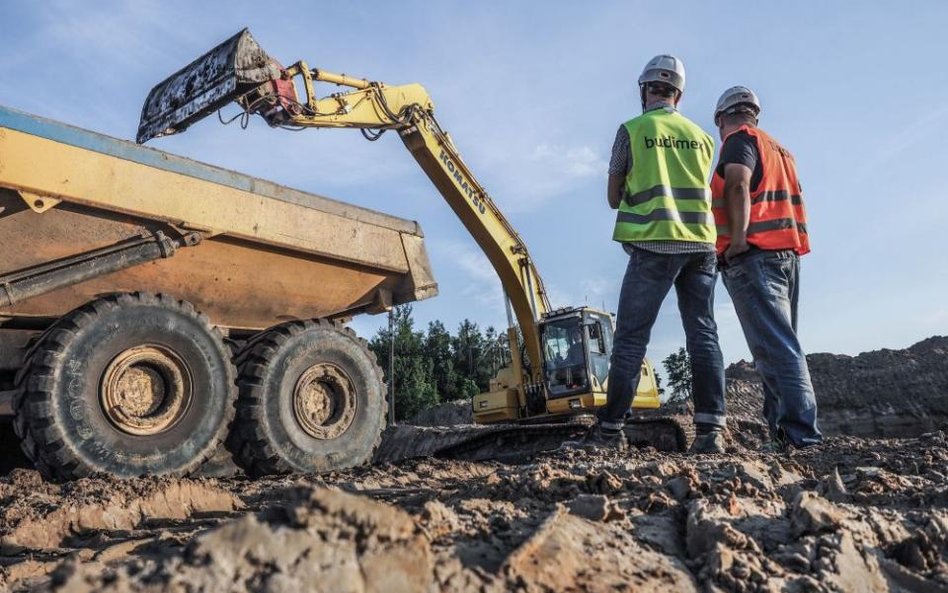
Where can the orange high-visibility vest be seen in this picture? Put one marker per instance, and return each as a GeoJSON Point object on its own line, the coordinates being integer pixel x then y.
{"type": "Point", "coordinates": [777, 214]}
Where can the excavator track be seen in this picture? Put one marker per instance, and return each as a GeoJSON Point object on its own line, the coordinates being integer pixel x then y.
{"type": "Point", "coordinates": [514, 443]}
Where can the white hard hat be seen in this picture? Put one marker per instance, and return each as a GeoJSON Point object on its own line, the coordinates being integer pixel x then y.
{"type": "Point", "coordinates": [734, 96]}
{"type": "Point", "coordinates": [664, 68]}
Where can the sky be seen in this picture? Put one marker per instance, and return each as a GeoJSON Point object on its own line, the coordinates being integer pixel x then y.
{"type": "Point", "coordinates": [532, 94]}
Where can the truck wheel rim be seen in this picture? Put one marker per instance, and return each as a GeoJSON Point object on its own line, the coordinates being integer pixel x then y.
{"type": "Point", "coordinates": [324, 401]}
{"type": "Point", "coordinates": [146, 390]}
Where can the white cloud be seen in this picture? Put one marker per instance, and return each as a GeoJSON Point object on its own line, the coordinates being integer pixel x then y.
{"type": "Point", "coordinates": [593, 292]}
{"type": "Point", "coordinates": [569, 162]}
{"type": "Point", "coordinates": [482, 286]}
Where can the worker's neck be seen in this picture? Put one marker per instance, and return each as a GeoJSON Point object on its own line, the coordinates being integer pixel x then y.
{"type": "Point", "coordinates": [660, 104]}
{"type": "Point", "coordinates": [731, 128]}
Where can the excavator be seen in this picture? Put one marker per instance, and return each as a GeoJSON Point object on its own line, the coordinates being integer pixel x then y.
{"type": "Point", "coordinates": [560, 357]}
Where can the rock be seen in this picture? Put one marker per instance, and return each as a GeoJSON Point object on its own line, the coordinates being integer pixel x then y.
{"type": "Point", "coordinates": [813, 514]}
{"type": "Point", "coordinates": [555, 558]}
{"type": "Point", "coordinates": [834, 489]}
{"type": "Point", "coordinates": [755, 473]}
{"type": "Point", "coordinates": [438, 519]}
{"type": "Point", "coordinates": [334, 543]}
{"type": "Point", "coordinates": [605, 483]}
{"type": "Point", "coordinates": [595, 507]}
{"type": "Point", "coordinates": [855, 573]}
{"type": "Point", "coordinates": [679, 487]}
{"type": "Point", "coordinates": [122, 510]}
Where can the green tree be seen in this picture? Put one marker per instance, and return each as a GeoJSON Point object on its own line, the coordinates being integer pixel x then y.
{"type": "Point", "coordinates": [658, 384]}
{"type": "Point", "coordinates": [413, 377]}
{"type": "Point", "coordinates": [678, 368]}
{"type": "Point", "coordinates": [468, 348]}
{"type": "Point", "coordinates": [438, 350]}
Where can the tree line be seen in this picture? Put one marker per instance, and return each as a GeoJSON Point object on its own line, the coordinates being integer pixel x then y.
{"type": "Point", "coordinates": [433, 365]}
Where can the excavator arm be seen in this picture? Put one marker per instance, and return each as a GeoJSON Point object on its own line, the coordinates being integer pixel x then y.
{"type": "Point", "coordinates": [408, 109]}
{"type": "Point", "coordinates": [239, 70]}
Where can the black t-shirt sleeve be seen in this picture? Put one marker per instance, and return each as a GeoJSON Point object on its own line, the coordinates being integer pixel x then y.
{"type": "Point", "coordinates": [741, 149]}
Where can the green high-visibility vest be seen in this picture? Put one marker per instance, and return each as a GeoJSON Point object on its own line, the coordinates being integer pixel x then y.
{"type": "Point", "coordinates": [666, 191]}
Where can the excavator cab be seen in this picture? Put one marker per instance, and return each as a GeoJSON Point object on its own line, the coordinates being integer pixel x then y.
{"type": "Point", "coordinates": [577, 346]}
{"type": "Point", "coordinates": [574, 347]}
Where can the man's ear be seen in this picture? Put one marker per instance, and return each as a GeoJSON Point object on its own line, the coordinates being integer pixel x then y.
{"type": "Point", "coordinates": [677, 98]}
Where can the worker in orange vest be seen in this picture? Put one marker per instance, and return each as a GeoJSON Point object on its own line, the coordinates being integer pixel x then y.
{"type": "Point", "coordinates": [761, 233]}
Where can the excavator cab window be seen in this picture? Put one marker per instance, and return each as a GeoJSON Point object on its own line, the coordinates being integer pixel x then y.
{"type": "Point", "coordinates": [599, 335]}
{"type": "Point", "coordinates": [564, 346]}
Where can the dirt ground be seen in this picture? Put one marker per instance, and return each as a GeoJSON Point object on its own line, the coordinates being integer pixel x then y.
{"type": "Point", "coordinates": [855, 514]}
{"type": "Point", "coordinates": [852, 515]}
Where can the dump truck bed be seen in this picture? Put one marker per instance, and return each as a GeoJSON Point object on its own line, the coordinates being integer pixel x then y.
{"type": "Point", "coordinates": [269, 254]}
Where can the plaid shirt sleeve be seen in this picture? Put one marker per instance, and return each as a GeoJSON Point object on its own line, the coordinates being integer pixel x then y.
{"type": "Point", "coordinates": [621, 161]}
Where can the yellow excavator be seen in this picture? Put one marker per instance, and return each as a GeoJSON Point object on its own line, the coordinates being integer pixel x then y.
{"type": "Point", "coordinates": [560, 358]}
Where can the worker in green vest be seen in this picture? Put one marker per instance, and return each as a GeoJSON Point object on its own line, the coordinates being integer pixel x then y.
{"type": "Point", "coordinates": [658, 181]}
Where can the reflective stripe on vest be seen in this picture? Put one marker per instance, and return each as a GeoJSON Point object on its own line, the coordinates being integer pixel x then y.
{"type": "Point", "coordinates": [703, 218]}
{"type": "Point", "coordinates": [678, 193]}
{"type": "Point", "coordinates": [767, 196]}
{"type": "Point", "coordinates": [777, 214]}
{"type": "Point", "coordinates": [666, 195]}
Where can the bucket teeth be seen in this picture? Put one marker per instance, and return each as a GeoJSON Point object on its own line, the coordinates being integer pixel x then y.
{"type": "Point", "coordinates": [220, 76]}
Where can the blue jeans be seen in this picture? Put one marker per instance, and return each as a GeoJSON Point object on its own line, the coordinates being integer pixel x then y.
{"type": "Point", "coordinates": [764, 286]}
{"type": "Point", "coordinates": [648, 278]}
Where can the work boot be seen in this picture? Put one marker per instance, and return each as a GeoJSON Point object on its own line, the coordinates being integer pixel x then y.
{"type": "Point", "coordinates": [708, 441]}
{"type": "Point", "coordinates": [599, 438]}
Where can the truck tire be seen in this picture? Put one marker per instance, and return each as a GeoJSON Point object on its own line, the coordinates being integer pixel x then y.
{"type": "Point", "coordinates": [311, 400]}
{"type": "Point", "coordinates": [130, 384]}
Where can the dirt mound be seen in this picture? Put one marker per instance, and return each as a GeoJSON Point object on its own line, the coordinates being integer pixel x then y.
{"type": "Point", "coordinates": [884, 393]}
{"type": "Point", "coordinates": [328, 542]}
{"type": "Point", "coordinates": [446, 414]}
{"type": "Point", "coordinates": [36, 516]}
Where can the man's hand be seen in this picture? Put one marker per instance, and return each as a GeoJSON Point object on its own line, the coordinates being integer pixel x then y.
{"type": "Point", "coordinates": [735, 249]}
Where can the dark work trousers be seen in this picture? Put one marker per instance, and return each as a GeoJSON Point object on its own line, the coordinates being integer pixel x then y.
{"type": "Point", "coordinates": [764, 286]}
{"type": "Point", "coordinates": [648, 278]}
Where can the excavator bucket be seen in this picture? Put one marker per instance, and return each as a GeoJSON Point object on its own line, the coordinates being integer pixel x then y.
{"type": "Point", "coordinates": [224, 74]}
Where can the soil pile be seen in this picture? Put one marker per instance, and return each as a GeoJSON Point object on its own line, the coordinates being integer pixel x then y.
{"type": "Point", "coordinates": [446, 414]}
{"type": "Point", "coordinates": [853, 515]}
{"type": "Point", "coordinates": [884, 393]}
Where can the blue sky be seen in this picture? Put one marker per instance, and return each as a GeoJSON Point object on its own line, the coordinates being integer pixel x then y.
{"type": "Point", "coordinates": [532, 93]}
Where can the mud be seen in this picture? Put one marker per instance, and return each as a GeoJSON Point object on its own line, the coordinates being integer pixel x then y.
{"type": "Point", "coordinates": [856, 514]}
{"type": "Point", "coordinates": [852, 515]}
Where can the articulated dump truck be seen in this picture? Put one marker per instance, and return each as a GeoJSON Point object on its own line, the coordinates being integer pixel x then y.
{"type": "Point", "coordinates": [153, 308]}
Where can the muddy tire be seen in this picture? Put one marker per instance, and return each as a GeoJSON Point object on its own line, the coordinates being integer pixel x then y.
{"type": "Point", "coordinates": [311, 400]}
{"type": "Point", "coordinates": [127, 385]}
